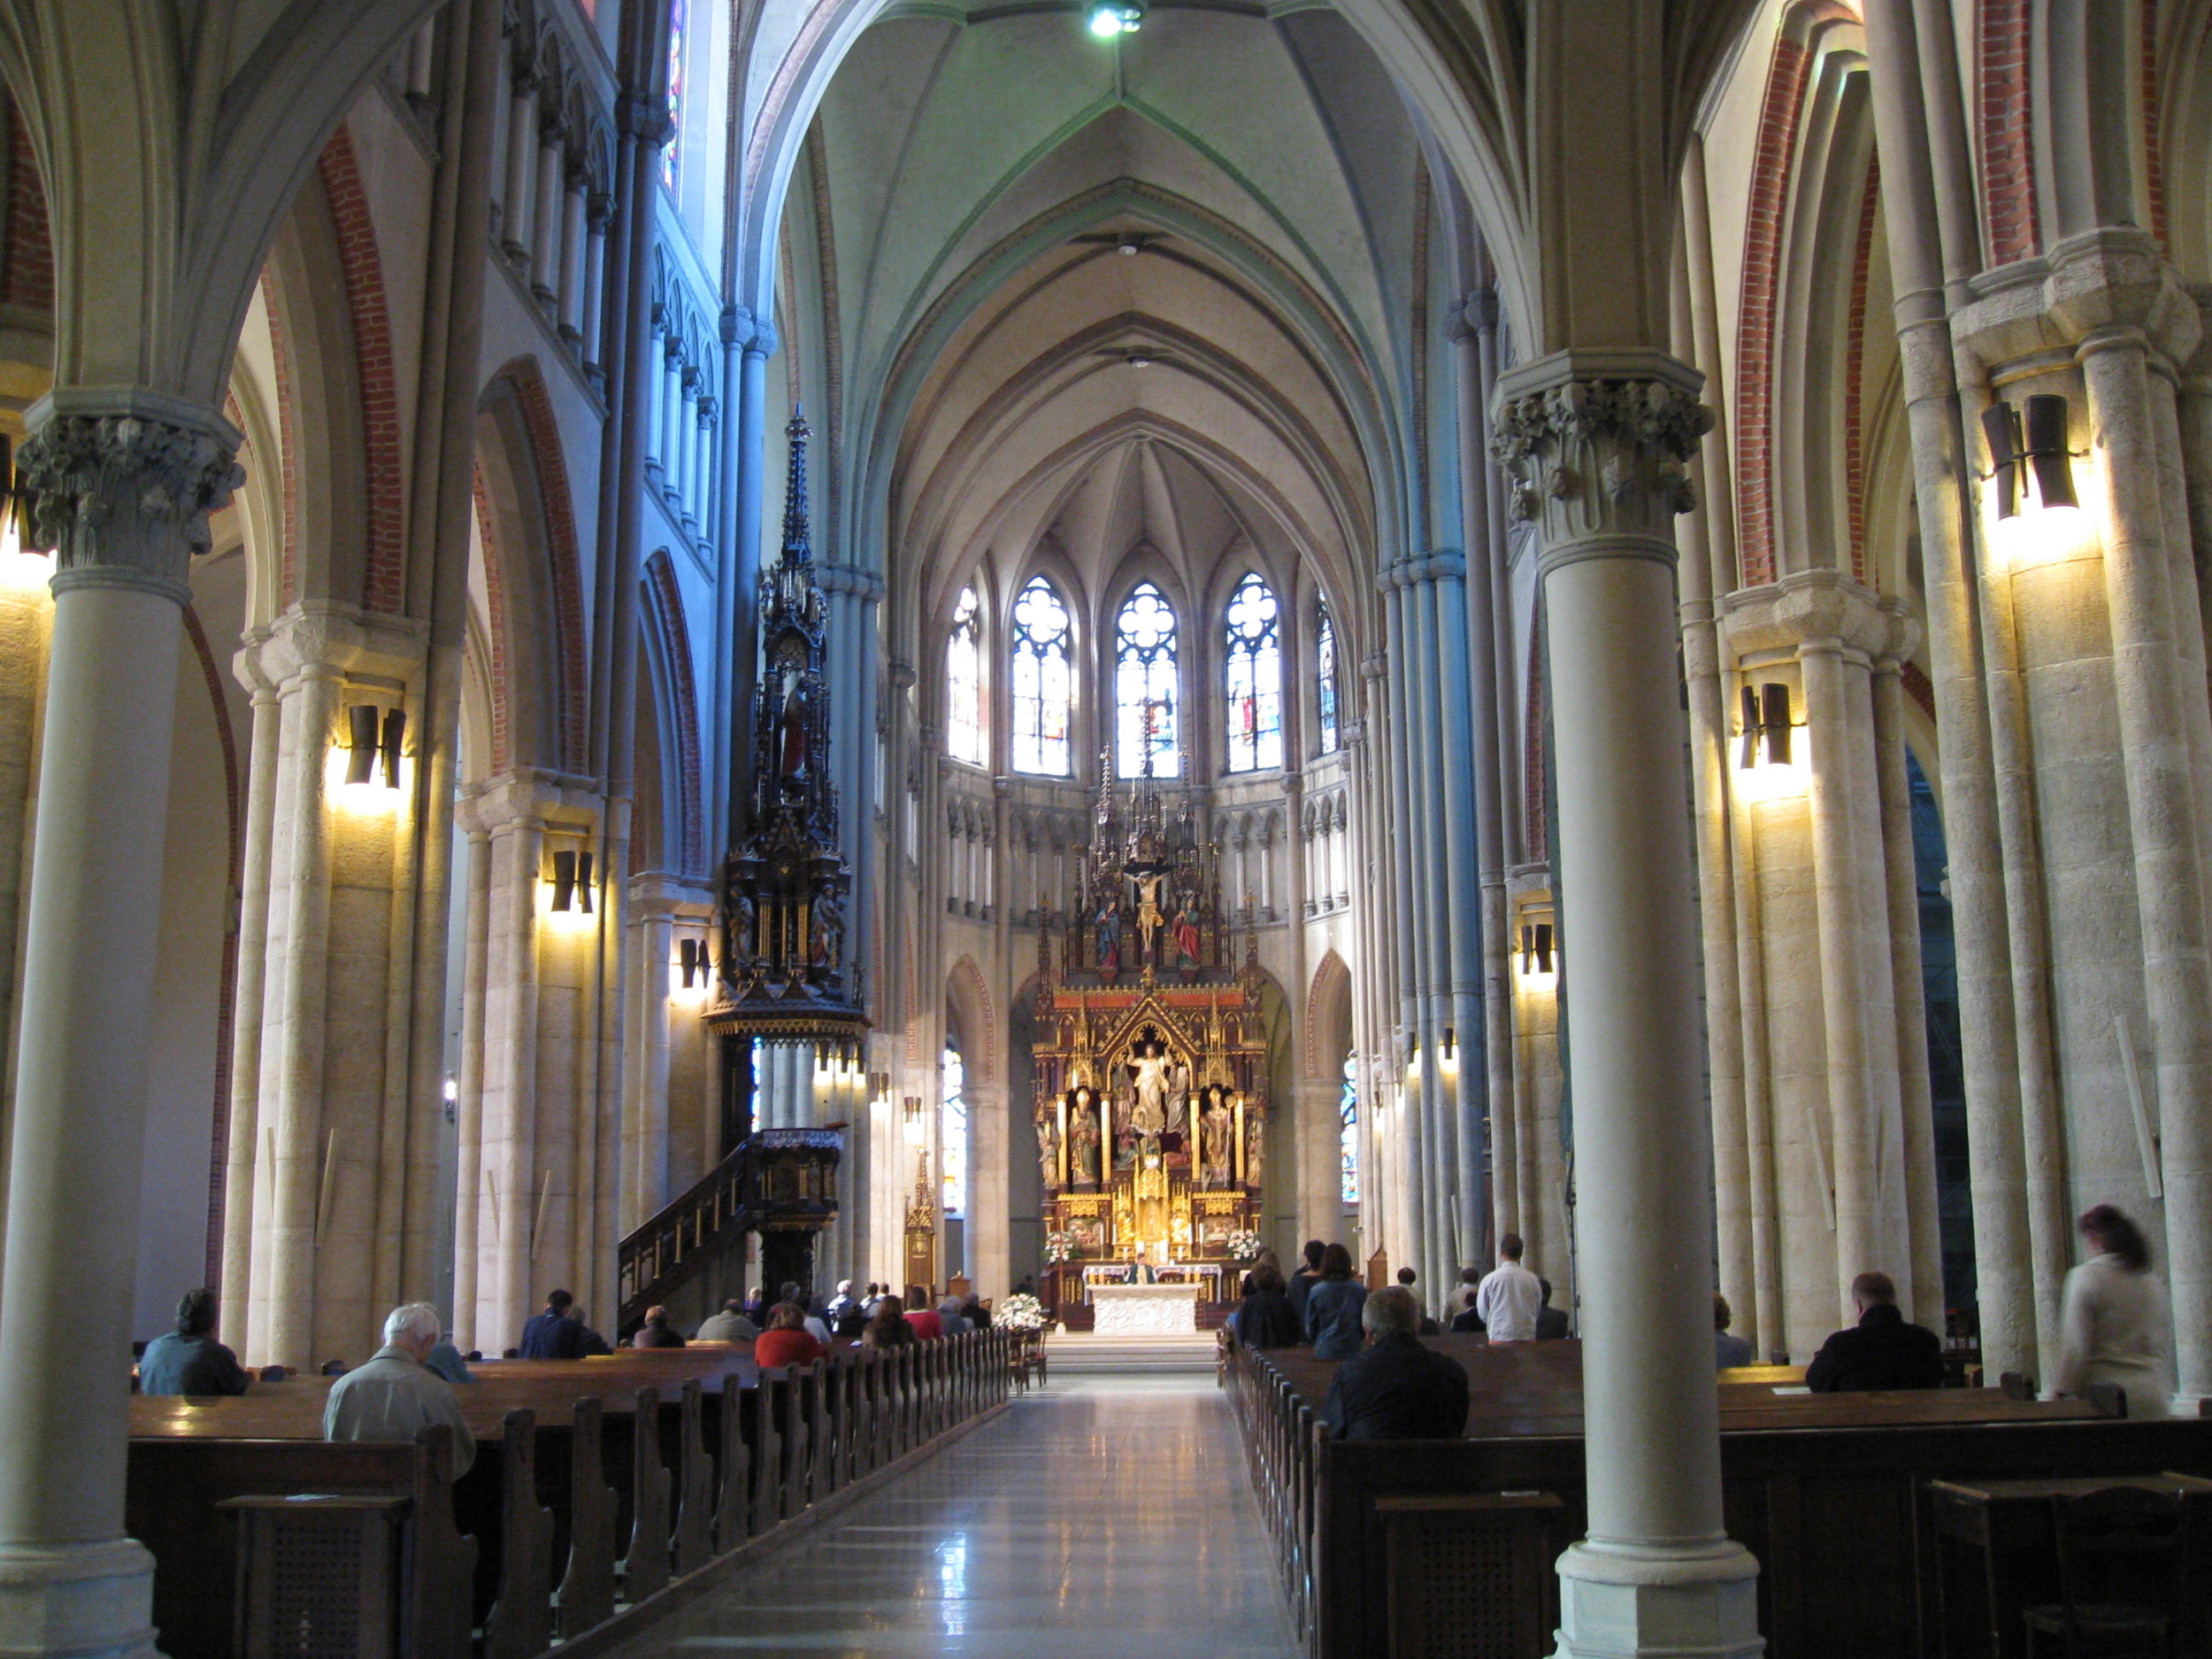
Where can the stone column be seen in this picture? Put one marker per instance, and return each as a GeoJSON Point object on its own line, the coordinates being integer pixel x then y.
{"type": "Point", "coordinates": [121, 483]}
{"type": "Point", "coordinates": [1596, 442]}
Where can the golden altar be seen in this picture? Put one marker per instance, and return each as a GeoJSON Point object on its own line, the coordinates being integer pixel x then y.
{"type": "Point", "coordinates": [1151, 1057]}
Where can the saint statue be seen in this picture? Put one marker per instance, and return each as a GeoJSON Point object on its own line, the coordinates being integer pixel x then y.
{"type": "Point", "coordinates": [828, 929]}
{"type": "Point", "coordinates": [1150, 1117]}
{"type": "Point", "coordinates": [1185, 931]}
{"type": "Point", "coordinates": [1178, 1095]}
{"type": "Point", "coordinates": [1255, 1151]}
{"type": "Point", "coordinates": [1083, 1139]}
{"type": "Point", "coordinates": [742, 924]}
{"type": "Point", "coordinates": [1214, 1138]}
{"type": "Point", "coordinates": [1047, 1132]}
{"type": "Point", "coordinates": [1109, 924]}
{"type": "Point", "coordinates": [791, 730]}
{"type": "Point", "coordinates": [1149, 918]}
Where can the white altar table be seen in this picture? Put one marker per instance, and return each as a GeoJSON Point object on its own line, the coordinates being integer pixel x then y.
{"type": "Point", "coordinates": [1145, 1309]}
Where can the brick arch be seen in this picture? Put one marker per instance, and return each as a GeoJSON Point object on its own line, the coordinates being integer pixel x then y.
{"type": "Point", "coordinates": [384, 579]}
{"type": "Point", "coordinates": [672, 638]}
{"type": "Point", "coordinates": [524, 498]}
{"type": "Point", "coordinates": [1327, 998]}
{"type": "Point", "coordinates": [966, 991]}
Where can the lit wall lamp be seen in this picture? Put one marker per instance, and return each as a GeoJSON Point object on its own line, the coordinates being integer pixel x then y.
{"type": "Point", "coordinates": [375, 735]}
{"type": "Point", "coordinates": [1540, 948]}
{"type": "Point", "coordinates": [913, 1121]}
{"type": "Point", "coordinates": [21, 565]}
{"type": "Point", "coordinates": [1448, 1051]}
{"type": "Point", "coordinates": [1113, 17]}
{"type": "Point", "coordinates": [1766, 725]}
{"type": "Point", "coordinates": [692, 960]}
{"type": "Point", "coordinates": [572, 884]}
{"type": "Point", "coordinates": [2028, 441]}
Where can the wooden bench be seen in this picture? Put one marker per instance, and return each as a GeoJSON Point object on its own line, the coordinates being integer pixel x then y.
{"type": "Point", "coordinates": [596, 1482]}
{"type": "Point", "coordinates": [1825, 1489]}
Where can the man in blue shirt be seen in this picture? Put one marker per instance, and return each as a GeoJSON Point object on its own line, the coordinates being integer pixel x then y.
{"type": "Point", "coordinates": [552, 1334]}
{"type": "Point", "coordinates": [189, 1360]}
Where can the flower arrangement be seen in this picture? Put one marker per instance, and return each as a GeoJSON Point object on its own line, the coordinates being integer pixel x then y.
{"type": "Point", "coordinates": [1244, 1244]}
{"type": "Point", "coordinates": [1059, 1248]}
{"type": "Point", "coordinates": [1020, 1312]}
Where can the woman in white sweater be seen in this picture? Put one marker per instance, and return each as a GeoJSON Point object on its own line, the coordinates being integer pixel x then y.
{"type": "Point", "coordinates": [2112, 1320]}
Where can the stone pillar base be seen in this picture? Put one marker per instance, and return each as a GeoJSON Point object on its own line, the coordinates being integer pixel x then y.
{"type": "Point", "coordinates": [1618, 1602]}
{"type": "Point", "coordinates": [76, 1601]}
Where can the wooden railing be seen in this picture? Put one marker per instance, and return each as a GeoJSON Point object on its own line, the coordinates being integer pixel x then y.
{"type": "Point", "coordinates": [785, 1175]}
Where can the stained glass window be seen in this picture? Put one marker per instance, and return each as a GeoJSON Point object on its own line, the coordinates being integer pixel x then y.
{"type": "Point", "coordinates": [1145, 685]}
{"type": "Point", "coordinates": [952, 1133]}
{"type": "Point", "coordinates": [1347, 1139]}
{"type": "Point", "coordinates": [1253, 669]}
{"type": "Point", "coordinates": [1041, 685]}
{"type": "Point", "coordinates": [963, 682]}
{"type": "Point", "coordinates": [1325, 680]}
{"type": "Point", "coordinates": [676, 41]}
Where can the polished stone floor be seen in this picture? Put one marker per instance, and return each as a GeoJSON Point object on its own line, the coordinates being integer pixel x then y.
{"type": "Point", "coordinates": [1094, 1516]}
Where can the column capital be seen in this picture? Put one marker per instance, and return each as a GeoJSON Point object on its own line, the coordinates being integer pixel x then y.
{"type": "Point", "coordinates": [120, 482]}
{"type": "Point", "coordinates": [1596, 445]}
{"type": "Point", "coordinates": [864, 585]}
{"type": "Point", "coordinates": [750, 331]}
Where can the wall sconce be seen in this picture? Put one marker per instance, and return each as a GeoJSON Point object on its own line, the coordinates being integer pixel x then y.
{"type": "Point", "coordinates": [373, 734]}
{"type": "Point", "coordinates": [1539, 949]}
{"type": "Point", "coordinates": [913, 1125]}
{"type": "Point", "coordinates": [1113, 17]}
{"type": "Point", "coordinates": [1448, 1051]}
{"type": "Point", "coordinates": [1766, 725]}
{"type": "Point", "coordinates": [692, 961]}
{"type": "Point", "coordinates": [2030, 441]}
{"type": "Point", "coordinates": [572, 884]}
{"type": "Point", "coordinates": [22, 566]}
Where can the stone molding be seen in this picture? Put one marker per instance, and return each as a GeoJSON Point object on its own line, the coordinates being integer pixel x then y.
{"type": "Point", "coordinates": [1445, 564]}
{"type": "Point", "coordinates": [120, 482]}
{"type": "Point", "coordinates": [554, 801]}
{"type": "Point", "coordinates": [752, 334]}
{"type": "Point", "coordinates": [1809, 606]}
{"type": "Point", "coordinates": [1596, 448]}
{"type": "Point", "coordinates": [2100, 282]}
{"type": "Point", "coordinates": [864, 585]}
{"type": "Point", "coordinates": [322, 639]}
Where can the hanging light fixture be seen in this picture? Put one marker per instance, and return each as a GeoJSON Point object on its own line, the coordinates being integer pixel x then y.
{"type": "Point", "coordinates": [1111, 17]}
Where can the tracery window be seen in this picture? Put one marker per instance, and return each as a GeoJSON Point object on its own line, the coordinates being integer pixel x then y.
{"type": "Point", "coordinates": [1348, 1140]}
{"type": "Point", "coordinates": [1145, 685]}
{"type": "Point", "coordinates": [1253, 670]}
{"type": "Point", "coordinates": [1040, 681]}
{"type": "Point", "coordinates": [963, 682]}
{"type": "Point", "coordinates": [952, 1133]}
{"type": "Point", "coordinates": [1325, 680]}
{"type": "Point", "coordinates": [677, 42]}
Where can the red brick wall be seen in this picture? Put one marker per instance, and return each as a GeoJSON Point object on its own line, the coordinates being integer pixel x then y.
{"type": "Point", "coordinates": [26, 277]}
{"type": "Point", "coordinates": [383, 585]}
{"type": "Point", "coordinates": [2154, 157]}
{"type": "Point", "coordinates": [1854, 374]}
{"type": "Point", "coordinates": [1762, 252]}
{"type": "Point", "coordinates": [2008, 136]}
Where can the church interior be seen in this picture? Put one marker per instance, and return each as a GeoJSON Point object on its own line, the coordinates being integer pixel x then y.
{"type": "Point", "coordinates": [1037, 650]}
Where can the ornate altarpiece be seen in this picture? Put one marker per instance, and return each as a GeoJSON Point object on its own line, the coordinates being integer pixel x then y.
{"type": "Point", "coordinates": [1152, 1059]}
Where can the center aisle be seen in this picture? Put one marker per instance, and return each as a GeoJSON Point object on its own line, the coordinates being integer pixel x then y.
{"type": "Point", "coordinates": [1115, 1514]}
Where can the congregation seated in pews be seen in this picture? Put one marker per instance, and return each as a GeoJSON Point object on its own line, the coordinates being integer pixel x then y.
{"type": "Point", "coordinates": [537, 1500]}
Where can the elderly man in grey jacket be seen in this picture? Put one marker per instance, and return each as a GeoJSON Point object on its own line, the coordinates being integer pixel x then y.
{"type": "Point", "coordinates": [395, 1396]}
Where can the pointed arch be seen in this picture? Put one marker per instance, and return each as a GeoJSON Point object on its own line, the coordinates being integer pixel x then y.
{"type": "Point", "coordinates": [1328, 1007]}
{"type": "Point", "coordinates": [968, 1000]}
{"type": "Point", "coordinates": [675, 685]}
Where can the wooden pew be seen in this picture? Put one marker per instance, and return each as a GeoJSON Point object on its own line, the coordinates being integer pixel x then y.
{"type": "Point", "coordinates": [519, 1623]}
{"type": "Point", "coordinates": [1825, 1489]}
{"type": "Point", "coordinates": [175, 1482]}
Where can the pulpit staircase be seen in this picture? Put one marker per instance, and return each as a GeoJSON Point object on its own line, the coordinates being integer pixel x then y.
{"type": "Point", "coordinates": [780, 1183]}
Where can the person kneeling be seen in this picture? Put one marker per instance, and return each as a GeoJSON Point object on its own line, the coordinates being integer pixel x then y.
{"type": "Point", "coordinates": [1394, 1388]}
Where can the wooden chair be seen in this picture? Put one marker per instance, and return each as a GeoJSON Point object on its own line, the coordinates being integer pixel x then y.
{"type": "Point", "coordinates": [2118, 1534]}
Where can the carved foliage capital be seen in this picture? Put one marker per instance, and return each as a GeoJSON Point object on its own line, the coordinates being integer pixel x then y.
{"type": "Point", "coordinates": [120, 486]}
{"type": "Point", "coordinates": [1597, 455]}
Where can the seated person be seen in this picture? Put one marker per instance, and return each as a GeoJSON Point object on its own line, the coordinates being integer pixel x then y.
{"type": "Point", "coordinates": [1550, 1321]}
{"type": "Point", "coordinates": [590, 1344]}
{"type": "Point", "coordinates": [1394, 1388]}
{"type": "Point", "coordinates": [1881, 1350]}
{"type": "Point", "coordinates": [786, 1342]}
{"type": "Point", "coordinates": [951, 1316]}
{"type": "Point", "coordinates": [1332, 1317]}
{"type": "Point", "coordinates": [730, 1325]}
{"type": "Point", "coordinates": [1727, 1350]}
{"type": "Point", "coordinates": [1470, 1323]}
{"type": "Point", "coordinates": [841, 1304]}
{"type": "Point", "coordinates": [395, 1394]}
{"type": "Point", "coordinates": [977, 1315]}
{"type": "Point", "coordinates": [919, 1315]}
{"type": "Point", "coordinates": [188, 1359]}
{"type": "Point", "coordinates": [1266, 1319]}
{"type": "Point", "coordinates": [553, 1334]}
{"type": "Point", "coordinates": [445, 1360]}
{"type": "Point", "coordinates": [656, 1332]}
{"type": "Point", "coordinates": [888, 1327]}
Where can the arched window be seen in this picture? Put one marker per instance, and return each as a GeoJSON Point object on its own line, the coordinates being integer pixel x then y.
{"type": "Point", "coordinates": [1325, 680]}
{"type": "Point", "coordinates": [678, 38]}
{"type": "Point", "coordinates": [952, 1132]}
{"type": "Point", "coordinates": [1348, 1138]}
{"type": "Point", "coordinates": [1041, 681]}
{"type": "Point", "coordinates": [963, 682]}
{"type": "Point", "coordinates": [1252, 669]}
{"type": "Point", "coordinates": [1145, 685]}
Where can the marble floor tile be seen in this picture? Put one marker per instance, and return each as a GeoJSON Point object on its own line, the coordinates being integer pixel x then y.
{"type": "Point", "coordinates": [1098, 1516]}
